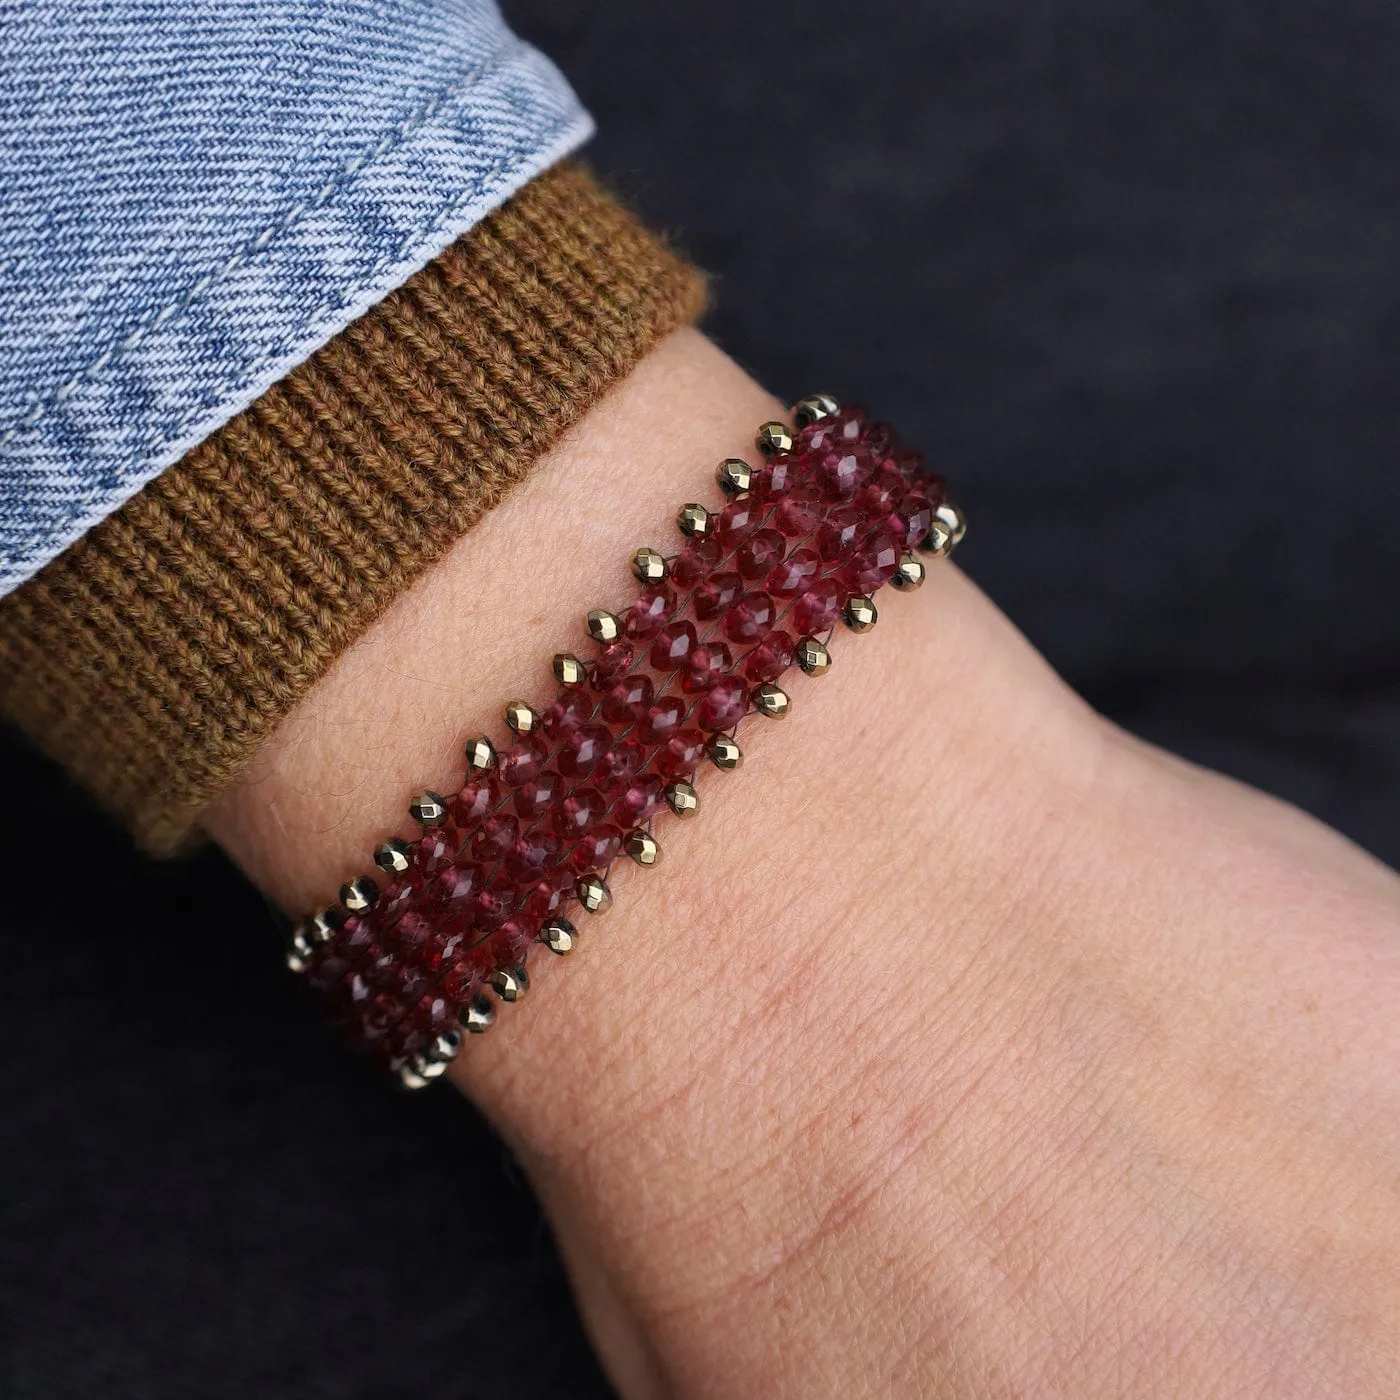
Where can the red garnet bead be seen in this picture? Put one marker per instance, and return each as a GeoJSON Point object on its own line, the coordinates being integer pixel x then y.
{"type": "Point", "coordinates": [599, 848]}
{"type": "Point", "coordinates": [726, 704]}
{"type": "Point", "coordinates": [817, 609]}
{"type": "Point", "coordinates": [580, 753]}
{"type": "Point", "coordinates": [716, 594]}
{"type": "Point", "coordinates": [914, 518]}
{"type": "Point", "coordinates": [578, 813]}
{"type": "Point", "coordinates": [874, 564]}
{"type": "Point", "coordinates": [434, 849]}
{"type": "Point", "coordinates": [682, 754]}
{"type": "Point", "coordinates": [760, 554]}
{"type": "Point", "coordinates": [694, 562]}
{"type": "Point", "coordinates": [749, 619]}
{"type": "Point", "coordinates": [627, 699]}
{"type": "Point", "coordinates": [841, 429]}
{"type": "Point", "coordinates": [617, 767]}
{"type": "Point", "coordinates": [642, 798]}
{"type": "Point", "coordinates": [453, 888]}
{"type": "Point", "coordinates": [838, 533]}
{"type": "Point", "coordinates": [546, 896]}
{"type": "Point", "coordinates": [708, 664]}
{"type": "Point", "coordinates": [491, 908]}
{"type": "Point", "coordinates": [460, 981]}
{"type": "Point", "coordinates": [799, 512]}
{"type": "Point", "coordinates": [767, 661]}
{"type": "Point", "coordinates": [537, 796]}
{"type": "Point", "coordinates": [572, 708]}
{"type": "Point", "coordinates": [614, 662]}
{"type": "Point", "coordinates": [737, 521]}
{"type": "Point", "coordinates": [651, 612]}
{"type": "Point", "coordinates": [523, 760]}
{"type": "Point", "coordinates": [795, 574]}
{"type": "Point", "coordinates": [774, 478]}
{"type": "Point", "coordinates": [840, 472]}
{"type": "Point", "coordinates": [662, 720]}
{"type": "Point", "coordinates": [497, 835]}
{"type": "Point", "coordinates": [531, 856]}
{"type": "Point", "coordinates": [471, 805]}
{"type": "Point", "coordinates": [411, 932]}
{"type": "Point", "coordinates": [673, 647]}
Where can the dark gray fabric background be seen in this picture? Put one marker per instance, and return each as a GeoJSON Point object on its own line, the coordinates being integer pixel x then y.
{"type": "Point", "coordinates": [1131, 273]}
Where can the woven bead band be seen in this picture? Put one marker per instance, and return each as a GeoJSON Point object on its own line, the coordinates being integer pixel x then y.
{"type": "Point", "coordinates": [832, 512]}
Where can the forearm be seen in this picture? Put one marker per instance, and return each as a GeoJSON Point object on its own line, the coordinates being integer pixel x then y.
{"type": "Point", "coordinates": [884, 1079]}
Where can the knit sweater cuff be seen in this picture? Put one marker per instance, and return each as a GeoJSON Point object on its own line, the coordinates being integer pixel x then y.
{"type": "Point", "coordinates": [156, 654]}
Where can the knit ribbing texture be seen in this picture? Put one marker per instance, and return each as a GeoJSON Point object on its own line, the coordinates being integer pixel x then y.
{"type": "Point", "coordinates": [156, 654]}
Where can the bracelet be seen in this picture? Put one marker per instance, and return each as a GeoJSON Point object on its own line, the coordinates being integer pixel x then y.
{"type": "Point", "coordinates": [832, 513]}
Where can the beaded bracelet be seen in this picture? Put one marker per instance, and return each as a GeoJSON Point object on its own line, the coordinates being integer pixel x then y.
{"type": "Point", "coordinates": [834, 512]}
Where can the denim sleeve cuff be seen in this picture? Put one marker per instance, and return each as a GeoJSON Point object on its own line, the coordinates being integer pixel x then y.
{"type": "Point", "coordinates": [156, 653]}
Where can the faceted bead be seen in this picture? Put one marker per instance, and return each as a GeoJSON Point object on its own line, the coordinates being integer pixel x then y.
{"type": "Point", "coordinates": [653, 609]}
{"type": "Point", "coordinates": [874, 563]}
{"type": "Point", "coordinates": [838, 533]}
{"type": "Point", "coordinates": [578, 813]}
{"type": "Point", "coordinates": [452, 889]}
{"type": "Point", "coordinates": [613, 663]}
{"type": "Point", "coordinates": [410, 984]}
{"type": "Point", "coordinates": [531, 856]}
{"type": "Point", "coordinates": [380, 1016]}
{"type": "Point", "coordinates": [839, 473]}
{"type": "Point", "coordinates": [580, 752]}
{"type": "Point", "coordinates": [750, 618]}
{"type": "Point", "coordinates": [497, 835]}
{"type": "Point", "coordinates": [818, 608]}
{"type": "Point", "coordinates": [410, 932]}
{"type": "Point", "coordinates": [491, 908]}
{"type": "Point", "coordinates": [879, 439]}
{"type": "Point", "coordinates": [774, 478]}
{"type": "Point", "coordinates": [799, 512]}
{"type": "Point", "coordinates": [693, 563]}
{"type": "Point", "coordinates": [434, 849]}
{"type": "Point", "coordinates": [708, 663]}
{"type": "Point", "coordinates": [672, 648]}
{"type": "Point", "coordinates": [570, 710]}
{"type": "Point", "coordinates": [717, 593]}
{"type": "Point", "coordinates": [642, 798]}
{"type": "Point", "coordinates": [439, 952]}
{"type": "Point", "coordinates": [839, 430]}
{"type": "Point", "coordinates": [627, 699]}
{"type": "Point", "coordinates": [726, 704]}
{"type": "Point", "coordinates": [510, 943]}
{"type": "Point", "coordinates": [546, 896]}
{"type": "Point", "coordinates": [767, 661]}
{"type": "Point", "coordinates": [661, 721]}
{"type": "Point", "coordinates": [598, 848]}
{"type": "Point", "coordinates": [471, 806]}
{"type": "Point", "coordinates": [460, 981]}
{"type": "Point", "coordinates": [760, 554]}
{"type": "Point", "coordinates": [395, 898]}
{"type": "Point", "coordinates": [434, 1012]}
{"type": "Point", "coordinates": [538, 795]}
{"type": "Point", "coordinates": [737, 521]}
{"type": "Point", "coordinates": [355, 938]}
{"type": "Point", "coordinates": [618, 765]}
{"type": "Point", "coordinates": [523, 760]}
{"type": "Point", "coordinates": [795, 574]}
{"type": "Point", "coordinates": [682, 754]}
{"type": "Point", "coordinates": [912, 467]}
{"type": "Point", "coordinates": [883, 492]}
{"type": "Point", "coordinates": [913, 518]}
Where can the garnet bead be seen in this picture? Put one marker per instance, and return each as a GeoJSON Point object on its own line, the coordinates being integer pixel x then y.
{"type": "Point", "coordinates": [767, 661]}
{"type": "Point", "coordinates": [708, 664]}
{"type": "Point", "coordinates": [651, 612]}
{"type": "Point", "coordinates": [471, 805]}
{"type": "Point", "coordinates": [672, 649]}
{"type": "Point", "coordinates": [570, 710]}
{"type": "Point", "coordinates": [795, 573]}
{"type": "Point", "coordinates": [874, 563]}
{"type": "Point", "coordinates": [538, 795]}
{"type": "Point", "coordinates": [578, 813]}
{"type": "Point", "coordinates": [760, 554]}
{"type": "Point", "coordinates": [717, 593]}
{"type": "Point", "coordinates": [839, 532]}
{"type": "Point", "coordinates": [598, 849]}
{"type": "Point", "coordinates": [613, 662]}
{"type": "Point", "coordinates": [737, 521]}
{"type": "Point", "coordinates": [818, 608]}
{"type": "Point", "coordinates": [661, 721]}
{"type": "Point", "coordinates": [531, 856]}
{"type": "Point", "coordinates": [692, 564]}
{"type": "Point", "coordinates": [580, 752]}
{"type": "Point", "coordinates": [497, 835]}
{"type": "Point", "coordinates": [682, 753]}
{"type": "Point", "coordinates": [725, 705]}
{"type": "Point", "coordinates": [523, 760]}
{"type": "Point", "coordinates": [627, 699]}
{"type": "Point", "coordinates": [618, 765]}
{"type": "Point", "coordinates": [750, 618]}
{"type": "Point", "coordinates": [642, 798]}
{"type": "Point", "coordinates": [913, 519]}
{"type": "Point", "coordinates": [799, 512]}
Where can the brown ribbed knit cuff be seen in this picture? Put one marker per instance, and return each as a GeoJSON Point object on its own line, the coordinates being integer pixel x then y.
{"type": "Point", "coordinates": [157, 653]}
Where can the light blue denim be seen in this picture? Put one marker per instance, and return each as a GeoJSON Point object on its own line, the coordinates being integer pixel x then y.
{"type": "Point", "coordinates": [197, 195]}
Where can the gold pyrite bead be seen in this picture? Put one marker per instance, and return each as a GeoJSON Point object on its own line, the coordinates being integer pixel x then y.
{"type": "Point", "coordinates": [954, 519]}
{"type": "Point", "coordinates": [392, 857]}
{"type": "Point", "coordinates": [725, 753]}
{"type": "Point", "coordinates": [559, 935]}
{"type": "Point", "coordinates": [477, 1015]}
{"type": "Point", "coordinates": [358, 894]}
{"type": "Point", "coordinates": [641, 846]}
{"type": "Point", "coordinates": [604, 626]}
{"type": "Point", "coordinates": [813, 656]}
{"type": "Point", "coordinates": [522, 718]}
{"type": "Point", "coordinates": [910, 574]}
{"type": "Point", "coordinates": [860, 613]}
{"type": "Point", "coordinates": [510, 983]}
{"type": "Point", "coordinates": [734, 475]}
{"type": "Point", "coordinates": [568, 669]}
{"type": "Point", "coordinates": [813, 409]}
{"type": "Point", "coordinates": [481, 754]}
{"type": "Point", "coordinates": [428, 809]}
{"type": "Point", "coordinates": [593, 893]}
{"type": "Point", "coordinates": [773, 437]}
{"type": "Point", "coordinates": [649, 565]}
{"type": "Point", "coordinates": [693, 519]}
{"type": "Point", "coordinates": [771, 700]}
{"type": "Point", "coordinates": [682, 798]}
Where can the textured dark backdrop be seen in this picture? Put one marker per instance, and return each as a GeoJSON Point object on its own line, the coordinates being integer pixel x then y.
{"type": "Point", "coordinates": [1131, 271]}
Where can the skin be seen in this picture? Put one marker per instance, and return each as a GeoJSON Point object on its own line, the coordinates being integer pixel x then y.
{"type": "Point", "coordinates": [963, 1045]}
